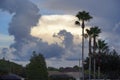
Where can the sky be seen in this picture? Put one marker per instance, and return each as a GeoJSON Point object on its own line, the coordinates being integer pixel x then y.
{"type": "Point", "coordinates": [48, 27]}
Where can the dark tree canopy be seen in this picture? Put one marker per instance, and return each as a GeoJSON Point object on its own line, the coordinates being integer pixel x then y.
{"type": "Point", "coordinates": [36, 69]}
{"type": "Point", "coordinates": [83, 16]}
{"type": "Point", "coordinates": [109, 63]}
{"type": "Point", "coordinates": [7, 67]}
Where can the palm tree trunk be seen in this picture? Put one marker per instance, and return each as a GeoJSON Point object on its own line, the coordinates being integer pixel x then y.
{"type": "Point", "coordinates": [94, 68]}
{"type": "Point", "coordinates": [98, 72]}
{"type": "Point", "coordinates": [83, 49]}
{"type": "Point", "coordinates": [89, 67]}
{"type": "Point", "coordinates": [89, 57]}
{"type": "Point", "coordinates": [94, 49]}
{"type": "Point", "coordinates": [99, 64]}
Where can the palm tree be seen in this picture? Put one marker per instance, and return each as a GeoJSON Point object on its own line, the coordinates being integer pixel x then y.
{"type": "Point", "coordinates": [89, 35]}
{"type": "Point", "coordinates": [102, 48]}
{"type": "Point", "coordinates": [83, 16]}
{"type": "Point", "coordinates": [96, 31]}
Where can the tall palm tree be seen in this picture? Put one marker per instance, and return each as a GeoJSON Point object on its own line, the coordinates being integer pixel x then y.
{"type": "Point", "coordinates": [102, 48]}
{"type": "Point", "coordinates": [96, 31]}
{"type": "Point", "coordinates": [89, 35]}
{"type": "Point", "coordinates": [83, 16]}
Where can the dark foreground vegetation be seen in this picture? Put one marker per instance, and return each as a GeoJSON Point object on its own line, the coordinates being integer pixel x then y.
{"type": "Point", "coordinates": [109, 63]}
{"type": "Point", "coordinates": [35, 70]}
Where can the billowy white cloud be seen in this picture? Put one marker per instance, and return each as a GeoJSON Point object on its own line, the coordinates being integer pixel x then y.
{"type": "Point", "coordinates": [49, 25]}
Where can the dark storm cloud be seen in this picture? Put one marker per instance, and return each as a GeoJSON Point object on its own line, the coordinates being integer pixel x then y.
{"type": "Point", "coordinates": [106, 11]}
{"type": "Point", "coordinates": [100, 8]}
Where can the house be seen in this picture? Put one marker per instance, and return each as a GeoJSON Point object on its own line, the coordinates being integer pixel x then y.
{"type": "Point", "coordinates": [68, 75]}
{"type": "Point", "coordinates": [76, 75]}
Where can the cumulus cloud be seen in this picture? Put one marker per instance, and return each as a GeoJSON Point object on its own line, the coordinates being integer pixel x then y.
{"type": "Point", "coordinates": [25, 15]}
{"type": "Point", "coordinates": [105, 16]}
{"type": "Point", "coordinates": [49, 25]}
{"type": "Point", "coordinates": [61, 34]}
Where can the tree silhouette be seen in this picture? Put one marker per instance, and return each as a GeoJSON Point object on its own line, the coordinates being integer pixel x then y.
{"type": "Point", "coordinates": [96, 31]}
{"type": "Point", "coordinates": [89, 35]}
{"type": "Point", "coordinates": [36, 69]}
{"type": "Point", "coordinates": [83, 16]}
